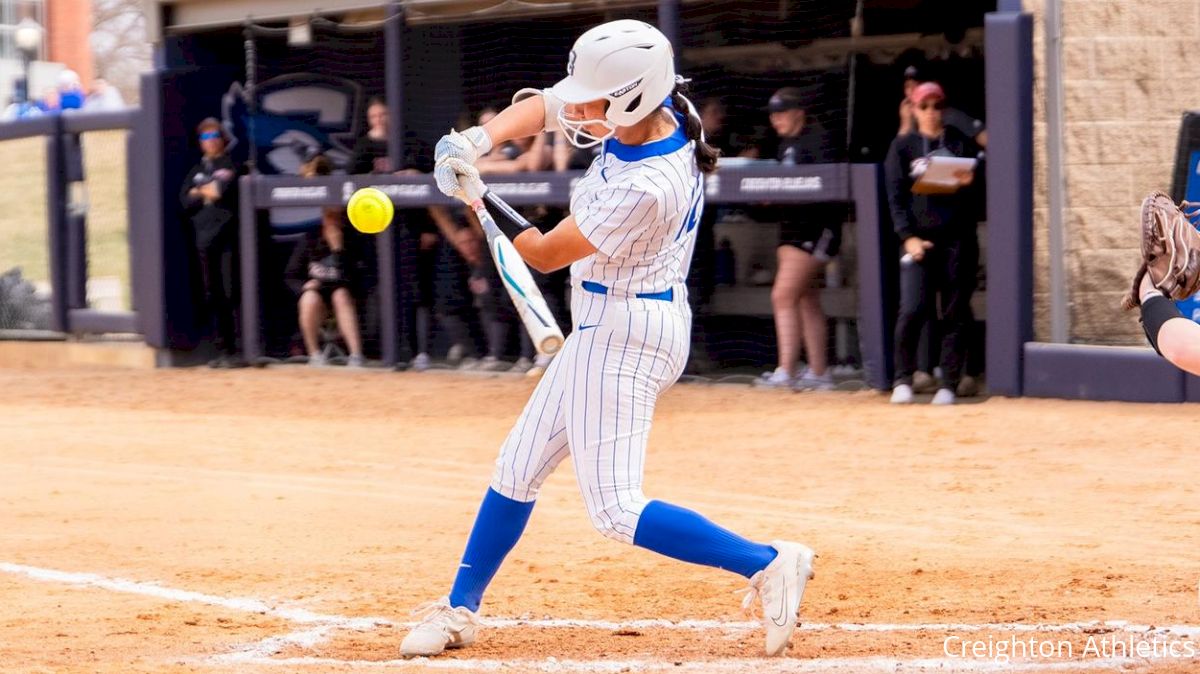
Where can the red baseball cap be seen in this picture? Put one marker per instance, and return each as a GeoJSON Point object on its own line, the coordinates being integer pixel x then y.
{"type": "Point", "coordinates": [927, 90]}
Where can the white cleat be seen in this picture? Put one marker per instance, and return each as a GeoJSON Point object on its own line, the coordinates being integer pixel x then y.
{"type": "Point", "coordinates": [442, 626]}
{"type": "Point", "coordinates": [780, 586]}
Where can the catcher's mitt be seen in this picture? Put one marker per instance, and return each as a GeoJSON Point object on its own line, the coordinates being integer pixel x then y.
{"type": "Point", "coordinates": [1170, 249]}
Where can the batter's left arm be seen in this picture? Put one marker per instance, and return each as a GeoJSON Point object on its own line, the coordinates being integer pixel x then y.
{"type": "Point", "coordinates": [555, 249]}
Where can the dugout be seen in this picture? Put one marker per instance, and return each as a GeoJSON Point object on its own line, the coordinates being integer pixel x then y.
{"type": "Point", "coordinates": [432, 59]}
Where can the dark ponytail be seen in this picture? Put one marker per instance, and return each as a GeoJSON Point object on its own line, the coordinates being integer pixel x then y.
{"type": "Point", "coordinates": [706, 155]}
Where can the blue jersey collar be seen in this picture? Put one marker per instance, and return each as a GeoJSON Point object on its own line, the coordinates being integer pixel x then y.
{"type": "Point", "coordinates": [653, 149]}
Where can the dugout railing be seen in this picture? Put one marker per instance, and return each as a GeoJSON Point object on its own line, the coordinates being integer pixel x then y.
{"type": "Point", "coordinates": [857, 184]}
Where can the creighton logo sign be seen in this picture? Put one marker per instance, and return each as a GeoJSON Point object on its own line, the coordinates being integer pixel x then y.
{"type": "Point", "coordinates": [297, 116]}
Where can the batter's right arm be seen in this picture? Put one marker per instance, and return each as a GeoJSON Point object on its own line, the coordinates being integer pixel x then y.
{"type": "Point", "coordinates": [456, 153]}
{"type": "Point", "coordinates": [525, 117]}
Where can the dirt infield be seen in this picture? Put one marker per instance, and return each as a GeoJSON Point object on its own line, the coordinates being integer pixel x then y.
{"type": "Point", "coordinates": [288, 519]}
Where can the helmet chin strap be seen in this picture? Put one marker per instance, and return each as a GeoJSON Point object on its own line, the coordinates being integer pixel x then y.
{"type": "Point", "coordinates": [580, 137]}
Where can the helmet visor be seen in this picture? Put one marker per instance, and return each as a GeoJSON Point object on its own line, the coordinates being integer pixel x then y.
{"type": "Point", "coordinates": [570, 90]}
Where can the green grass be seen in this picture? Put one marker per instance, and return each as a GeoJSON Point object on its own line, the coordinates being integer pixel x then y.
{"type": "Point", "coordinates": [23, 226]}
{"type": "Point", "coordinates": [23, 207]}
{"type": "Point", "coordinates": [108, 215]}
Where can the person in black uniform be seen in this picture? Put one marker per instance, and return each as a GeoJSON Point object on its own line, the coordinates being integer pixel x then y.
{"type": "Point", "coordinates": [927, 354]}
{"type": "Point", "coordinates": [461, 251]}
{"type": "Point", "coordinates": [940, 247]}
{"type": "Point", "coordinates": [210, 202]}
{"type": "Point", "coordinates": [324, 273]}
{"type": "Point", "coordinates": [810, 236]}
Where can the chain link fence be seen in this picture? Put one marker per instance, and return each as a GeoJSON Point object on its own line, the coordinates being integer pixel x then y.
{"type": "Point", "coordinates": [103, 194]}
{"type": "Point", "coordinates": [24, 248]}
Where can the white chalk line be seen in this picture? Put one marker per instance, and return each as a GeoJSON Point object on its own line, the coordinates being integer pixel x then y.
{"type": "Point", "coordinates": [322, 625]}
{"type": "Point", "coordinates": [756, 665]}
{"type": "Point", "coordinates": [241, 604]}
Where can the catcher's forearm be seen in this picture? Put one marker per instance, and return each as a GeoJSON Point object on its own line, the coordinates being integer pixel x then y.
{"type": "Point", "coordinates": [1156, 311]}
{"type": "Point", "coordinates": [1173, 336]}
{"type": "Point", "coordinates": [1179, 342]}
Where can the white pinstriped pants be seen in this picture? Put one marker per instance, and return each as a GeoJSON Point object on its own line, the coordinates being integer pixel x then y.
{"type": "Point", "coordinates": [596, 402]}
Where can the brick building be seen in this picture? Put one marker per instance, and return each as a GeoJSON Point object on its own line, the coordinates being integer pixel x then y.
{"type": "Point", "coordinates": [67, 24]}
{"type": "Point", "coordinates": [1129, 71]}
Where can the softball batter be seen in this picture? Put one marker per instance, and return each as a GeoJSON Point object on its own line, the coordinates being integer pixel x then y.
{"type": "Point", "coordinates": [629, 242]}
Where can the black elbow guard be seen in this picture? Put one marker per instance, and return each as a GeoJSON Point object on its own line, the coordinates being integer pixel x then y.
{"type": "Point", "coordinates": [510, 228]}
{"type": "Point", "coordinates": [1156, 311]}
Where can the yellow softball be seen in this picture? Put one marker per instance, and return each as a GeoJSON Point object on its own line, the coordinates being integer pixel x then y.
{"type": "Point", "coordinates": [370, 210]}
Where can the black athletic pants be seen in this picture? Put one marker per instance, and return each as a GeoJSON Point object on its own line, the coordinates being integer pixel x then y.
{"type": "Point", "coordinates": [949, 270]}
{"type": "Point", "coordinates": [217, 270]}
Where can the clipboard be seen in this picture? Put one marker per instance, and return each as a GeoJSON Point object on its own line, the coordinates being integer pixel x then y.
{"type": "Point", "coordinates": [939, 176]}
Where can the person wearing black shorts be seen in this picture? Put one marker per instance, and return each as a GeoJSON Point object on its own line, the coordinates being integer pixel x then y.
{"type": "Point", "coordinates": [810, 236]}
{"type": "Point", "coordinates": [323, 272]}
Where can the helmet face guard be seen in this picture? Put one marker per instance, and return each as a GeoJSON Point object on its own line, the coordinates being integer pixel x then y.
{"type": "Point", "coordinates": [629, 64]}
{"type": "Point", "coordinates": [578, 135]}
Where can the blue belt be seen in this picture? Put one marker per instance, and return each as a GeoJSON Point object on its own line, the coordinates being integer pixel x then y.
{"type": "Point", "coordinates": [664, 295]}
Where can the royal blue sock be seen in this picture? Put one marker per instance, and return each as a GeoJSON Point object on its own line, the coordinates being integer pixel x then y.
{"type": "Point", "coordinates": [689, 536]}
{"type": "Point", "coordinates": [498, 527]}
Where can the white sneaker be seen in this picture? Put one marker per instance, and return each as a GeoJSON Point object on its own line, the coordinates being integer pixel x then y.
{"type": "Point", "coordinates": [356, 361]}
{"type": "Point", "coordinates": [902, 394]}
{"type": "Point", "coordinates": [492, 364]}
{"type": "Point", "coordinates": [540, 363]}
{"type": "Point", "coordinates": [944, 396]}
{"type": "Point", "coordinates": [777, 379]}
{"type": "Point", "coordinates": [455, 355]}
{"type": "Point", "coordinates": [442, 626]}
{"type": "Point", "coordinates": [780, 586]}
{"type": "Point", "coordinates": [522, 365]}
{"type": "Point", "coordinates": [420, 362]}
{"type": "Point", "coordinates": [813, 382]}
{"type": "Point", "coordinates": [317, 360]}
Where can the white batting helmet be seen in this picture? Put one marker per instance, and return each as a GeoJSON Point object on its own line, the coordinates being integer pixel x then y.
{"type": "Point", "coordinates": [629, 63]}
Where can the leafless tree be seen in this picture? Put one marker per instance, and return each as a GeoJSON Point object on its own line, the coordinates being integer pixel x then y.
{"type": "Point", "coordinates": [119, 44]}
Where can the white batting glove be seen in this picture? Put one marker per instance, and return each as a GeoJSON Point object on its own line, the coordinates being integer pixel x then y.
{"type": "Point", "coordinates": [455, 156]}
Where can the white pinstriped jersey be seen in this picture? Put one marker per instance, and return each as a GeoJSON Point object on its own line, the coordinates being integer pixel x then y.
{"type": "Point", "coordinates": [639, 206]}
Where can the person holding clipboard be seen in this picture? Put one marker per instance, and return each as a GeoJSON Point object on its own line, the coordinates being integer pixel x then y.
{"type": "Point", "coordinates": [934, 197]}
